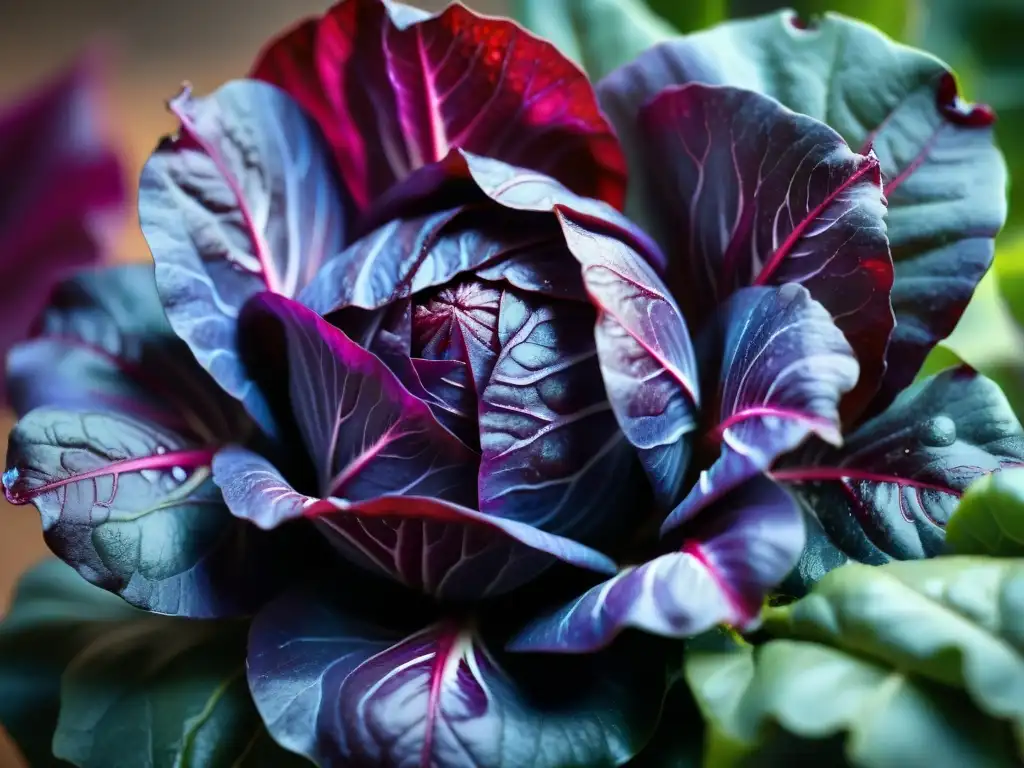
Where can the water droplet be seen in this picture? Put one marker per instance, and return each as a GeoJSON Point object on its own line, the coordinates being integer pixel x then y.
{"type": "Point", "coordinates": [938, 432]}
{"type": "Point", "coordinates": [10, 478]}
{"type": "Point", "coordinates": [161, 450]}
{"type": "Point", "coordinates": [179, 474]}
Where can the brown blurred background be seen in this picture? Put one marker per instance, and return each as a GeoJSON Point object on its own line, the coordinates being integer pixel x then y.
{"type": "Point", "coordinates": [156, 45]}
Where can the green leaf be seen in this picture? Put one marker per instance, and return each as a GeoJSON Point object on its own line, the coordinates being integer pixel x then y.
{"type": "Point", "coordinates": [1009, 268]}
{"type": "Point", "coordinates": [958, 621]}
{"type": "Point", "coordinates": [982, 40]}
{"type": "Point", "coordinates": [131, 688]}
{"type": "Point", "coordinates": [54, 614]}
{"type": "Point", "coordinates": [990, 518]}
{"type": "Point", "coordinates": [599, 35]}
{"type": "Point", "coordinates": [758, 698]}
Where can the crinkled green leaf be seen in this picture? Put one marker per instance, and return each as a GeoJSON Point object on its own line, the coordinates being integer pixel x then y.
{"type": "Point", "coordinates": [958, 621]}
{"type": "Point", "coordinates": [890, 16]}
{"type": "Point", "coordinates": [599, 35]}
{"type": "Point", "coordinates": [843, 709]}
{"type": "Point", "coordinates": [990, 518]}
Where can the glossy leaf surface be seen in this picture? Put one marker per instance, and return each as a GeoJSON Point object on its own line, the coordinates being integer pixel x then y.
{"type": "Point", "coordinates": [429, 544]}
{"type": "Point", "coordinates": [730, 559]}
{"type": "Point", "coordinates": [784, 367]}
{"type": "Point", "coordinates": [759, 195]}
{"type": "Point", "coordinates": [989, 520]}
{"type": "Point", "coordinates": [64, 192]}
{"type": "Point", "coordinates": [365, 433]}
{"type": "Point", "coordinates": [394, 91]}
{"type": "Point", "coordinates": [552, 453]}
{"type": "Point", "coordinates": [117, 456]}
{"type": "Point", "coordinates": [942, 177]}
{"type": "Point", "coordinates": [817, 695]}
{"type": "Point", "coordinates": [954, 620]}
{"type": "Point", "coordinates": [646, 357]}
{"type": "Point", "coordinates": [343, 689]}
{"type": "Point", "coordinates": [888, 492]}
{"type": "Point", "coordinates": [242, 200]}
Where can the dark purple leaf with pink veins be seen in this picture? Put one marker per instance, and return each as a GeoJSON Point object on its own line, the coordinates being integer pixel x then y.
{"type": "Point", "coordinates": [120, 472]}
{"type": "Point", "coordinates": [944, 178]}
{"type": "Point", "coordinates": [552, 452]}
{"type": "Point", "coordinates": [437, 547]}
{"type": "Point", "coordinates": [373, 443]}
{"type": "Point", "coordinates": [759, 195]}
{"type": "Point", "coordinates": [783, 367]}
{"type": "Point", "coordinates": [731, 558]}
{"type": "Point", "coordinates": [645, 355]}
{"type": "Point", "coordinates": [344, 690]}
{"type": "Point", "coordinates": [241, 200]}
{"type": "Point", "coordinates": [394, 91]}
{"type": "Point", "coordinates": [888, 492]}
{"type": "Point", "coordinates": [366, 434]}
{"type": "Point", "coordinates": [64, 191]}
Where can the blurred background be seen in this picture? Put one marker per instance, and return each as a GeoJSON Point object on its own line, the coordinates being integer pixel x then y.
{"type": "Point", "coordinates": [156, 46]}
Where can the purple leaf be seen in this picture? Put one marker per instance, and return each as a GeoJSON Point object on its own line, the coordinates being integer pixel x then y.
{"type": "Point", "coordinates": [366, 434]}
{"type": "Point", "coordinates": [645, 354]}
{"type": "Point", "coordinates": [944, 178]}
{"type": "Point", "coordinates": [731, 559]}
{"type": "Point", "coordinates": [759, 195]}
{"type": "Point", "coordinates": [431, 545]}
{"type": "Point", "coordinates": [394, 91]}
{"type": "Point", "coordinates": [784, 368]}
{"type": "Point", "coordinates": [103, 342]}
{"type": "Point", "coordinates": [130, 505]}
{"type": "Point", "coordinates": [553, 455]}
{"type": "Point", "coordinates": [406, 256]}
{"type": "Point", "coordinates": [888, 492]}
{"type": "Point", "coordinates": [241, 201]}
{"type": "Point", "coordinates": [64, 193]}
{"type": "Point", "coordinates": [344, 690]}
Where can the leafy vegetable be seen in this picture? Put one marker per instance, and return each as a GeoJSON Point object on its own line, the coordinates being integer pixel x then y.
{"type": "Point", "coordinates": [889, 491]}
{"type": "Point", "coordinates": [117, 455]}
{"type": "Point", "coordinates": [943, 178]}
{"type": "Point", "coordinates": [989, 520]}
{"type": "Point", "coordinates": [396, 90]}
{"type": "Point", "coordinates": [342, 688]}
{"type": "Point", "coordinates": [243, 200]}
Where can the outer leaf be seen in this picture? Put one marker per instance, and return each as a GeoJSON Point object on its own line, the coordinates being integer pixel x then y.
{"type": "Point", "coordinates": [394, 94]}
{"type": "Point", "coordinates": [54, 614]}
{"type": "Point", "coordinates": [120, 471]}
{"type": "Point", "coordinates": [989, 520]}
{"type": "Point", "coordinates": [553, 454]}
{"type": "Point", "coordinates": [104, 342]}
{"type": "Point", "coordinates": [431, 545]}
{"type": "Point", "coordinates": [784, 367]}
{"type": "Point", "coordinates": [815, 692]}
{"type": "Point", "coordinates": [345, 691]}
{"type": "Point", "coordinates": [943, 178]}
{"type": "Point", "coordinates": [759, 195]}
{"type": "Point", "coordinates": [65, 191]}
{"type": "Point", "coordinates": [241, 201]}
{"type": "Point", "coordinates": [954, 620]}
{"type": "Point", "coordinates": [599, 35]}
{"type": "Point", "coordinates": [728, 563]}
{"type": "Point", "coordinates": [166, 692]}
{"type": "Point", "coordinates": [890, 489]}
